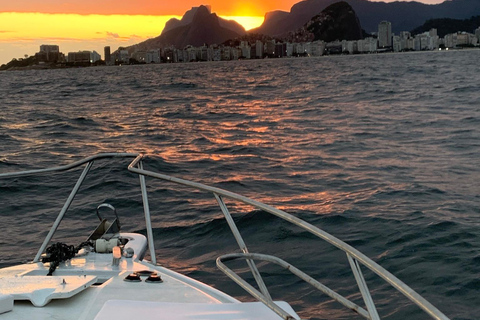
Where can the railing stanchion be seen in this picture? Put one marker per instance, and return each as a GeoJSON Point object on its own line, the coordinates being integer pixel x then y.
{"type": "Point", "coordinates": [362, 285]}
{"type": "Point", "coordinates": [146, 210]}
{"type": "Point", "coordinates": [243, 246]}
{"type": "Point", "coordinates": [60, 216]}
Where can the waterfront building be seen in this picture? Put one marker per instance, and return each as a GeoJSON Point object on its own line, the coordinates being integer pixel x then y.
{"type": "Point", "coordinates": [397, 44]}
{"type": "Point", "coordinates": [280, 50]}
{"type": "Point", "coordinates": [300, 49]}
{"type": "Point", "coordinates": [259, 49]}
{"type": "Point", "coordinates": [83, 57]}
{"type": "Point", "coordinates": [49, 49]}
{"type": "Point", "coordinates": [226, 54]}
{"type": "Point", "coordinates": [210, 53]}
{"type": "Point", "coordinates": [334, 47]}
{"type": "Point", "coordinates": [171, 54]}
{"type": "Point", "coordinates": [203, 54]}
{"type": "Point", "coordinates": [290, 49]}
{"type": "Point", "coordinates": [421, 42]}
{"type": "Point", "coordinates": [427, 40]}
{"type": "Point", "coordinates": [403, 42]}
{"type": "Point", "coordinates": [95, 56]}
{"type": "Point", "coordinates": [153, 56]}
{"type": "Point", "coordinates": [367, 45]}
{"type": "Point", "coordinates": [410, 44]}
{"type": "Point", "coordinates": [190, 54]}
{"type": "Point", "coordinates": [449, 40]}
{"type": "Point", "coordinates": [384, 34]}
{"type": "Point", "coordinates": [122, 56]}
{"type": "Point", "coordinates": [235, 53]}
{"type": "Point", "coordinates": [49, 53]}
{"type": "Point", "coordinates": [270, 48]}
{"type": "Point", "coordinates": [108, 56]}
{"type": "Point", "coordinates": [80, 57]}
{"type": "Point", "coordinates": [317, 48]}
{"type": "Point", "coordinates": [460, 39]}
{"type": "Point", "coordinates": [467, 39]}
{"type": "Point", "coordinates": [140, 56]}
{"type": "Point", "coordinates": [405, 35]}
{"type": "Point", "coordinates": [183, 55]}
{"type": "Point", "coordinates": [246, 50]}
{"type": "Point", "coordinates": [253, 51]}
{"type": "Point", "coordinates": [177, 56]}
{"type": "Point", "coordinates": [217, 54]}
{"type": "Point", "coordinates": [349, 46]}
{"type": "Point", "coordinates": [308, 47]}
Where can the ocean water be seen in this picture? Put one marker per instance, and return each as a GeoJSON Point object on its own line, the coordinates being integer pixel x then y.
{"type": "Point", "coordinates": [382, 151]}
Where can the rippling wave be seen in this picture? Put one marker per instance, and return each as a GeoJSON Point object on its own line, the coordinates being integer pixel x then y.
{"type": "Point", "coordinates": [379, 150]}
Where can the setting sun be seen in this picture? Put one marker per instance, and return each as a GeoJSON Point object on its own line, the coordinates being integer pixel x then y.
{"type": "Point", "coordinates": [248, 22]}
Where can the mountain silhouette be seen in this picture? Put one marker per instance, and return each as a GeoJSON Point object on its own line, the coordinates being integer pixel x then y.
{"type": "Point", "coordinates": [404, 16]}
{"type": "Point", "coordinates": [190, 14]}
{"type": "Point", "coordinates": [336, 22]}
{"type": "Point", "coordinates": [197, 27]}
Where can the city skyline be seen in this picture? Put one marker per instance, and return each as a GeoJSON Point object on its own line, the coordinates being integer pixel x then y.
{"type": "Point", "coordinates": [27, 24]}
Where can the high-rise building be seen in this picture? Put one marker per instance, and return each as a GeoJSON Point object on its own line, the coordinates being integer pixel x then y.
{"type": "Point", "coordinates": [47, 48]}
{"type": "Point", "coordinates": [108, 56]}
{"type": "Point", "coordinates": [79, 57]}
{"type": "Point", "coordinates": [95, 56]}
{"type": "Point", "coordinates": [49, 53]}
{"type": "Point", "coordinates": [259, 49]}
{"type": "Point", "coordinates": [384, 34]}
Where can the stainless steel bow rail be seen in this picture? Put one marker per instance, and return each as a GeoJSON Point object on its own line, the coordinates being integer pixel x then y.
{"type": "Point", "coordinates": [88, 162]}
{"type": "Point", "coordinates": [356, 259]}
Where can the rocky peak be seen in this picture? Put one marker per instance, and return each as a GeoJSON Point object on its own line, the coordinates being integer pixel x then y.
{"type": "Point", "coordinates": [336, 22]}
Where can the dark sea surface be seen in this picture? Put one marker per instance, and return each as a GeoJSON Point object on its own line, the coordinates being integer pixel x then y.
{"type": "Point", "coordinates": [381, 151]}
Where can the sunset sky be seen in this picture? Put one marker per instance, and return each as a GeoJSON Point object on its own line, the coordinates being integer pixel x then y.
{"type": "Point", "coordinates": [94, 24]}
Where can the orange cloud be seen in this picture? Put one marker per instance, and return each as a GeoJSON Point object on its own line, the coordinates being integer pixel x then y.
{"type": "Point", "coordinates": [147, 7]}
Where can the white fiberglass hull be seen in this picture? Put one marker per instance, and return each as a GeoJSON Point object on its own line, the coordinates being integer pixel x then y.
{"type": "Point", "coordinates": [109, 286]}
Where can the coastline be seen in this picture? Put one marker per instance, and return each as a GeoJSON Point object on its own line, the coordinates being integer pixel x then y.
{"type": "Point", "coordinates": [65, 66]}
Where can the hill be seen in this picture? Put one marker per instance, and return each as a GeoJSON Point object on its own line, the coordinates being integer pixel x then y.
{"type": "Point", "coordinates": [189, 16]}
{"type": "Point", "coordinates": [446, 26]}
{"type": "Point", "coordinates": [198, 26]}
{"type": "Point", "coordinates": [336, 22]}
{"type": "Point", "coordinates": [403, 15]}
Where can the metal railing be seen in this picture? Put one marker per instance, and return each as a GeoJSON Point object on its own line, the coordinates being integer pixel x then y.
{"type": "Point", "coordinates": [356, 259]}
{"type": "Point", "coordinates": [88, 162]}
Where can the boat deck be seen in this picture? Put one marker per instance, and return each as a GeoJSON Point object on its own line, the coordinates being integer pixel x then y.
{"type": "Point", "coordinates": [108, 284]}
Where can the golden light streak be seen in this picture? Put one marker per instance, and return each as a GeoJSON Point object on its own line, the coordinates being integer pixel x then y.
{"type": "Point", "coordinates": [248, 22]}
